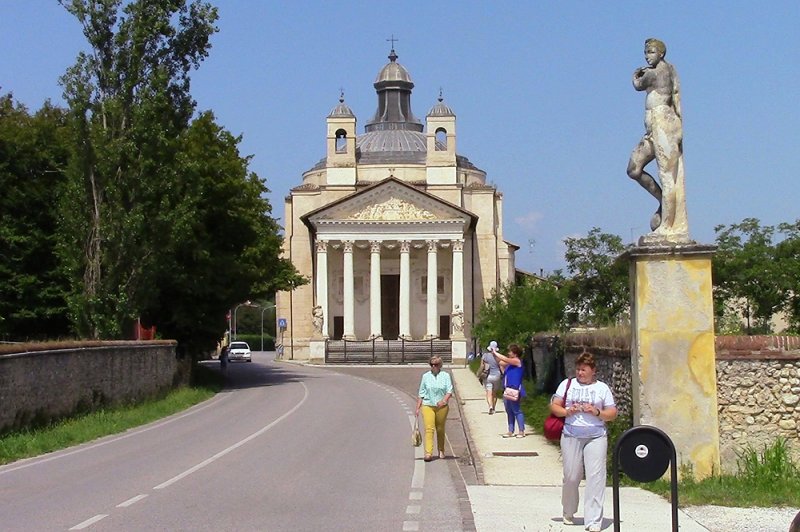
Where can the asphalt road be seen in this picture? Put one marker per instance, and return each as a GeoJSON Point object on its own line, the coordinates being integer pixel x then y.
{"type": "Point", "coordinates": [284, 447]}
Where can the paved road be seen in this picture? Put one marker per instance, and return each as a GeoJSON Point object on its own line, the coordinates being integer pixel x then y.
{"type": "Point", "coordinates": [284, 448]}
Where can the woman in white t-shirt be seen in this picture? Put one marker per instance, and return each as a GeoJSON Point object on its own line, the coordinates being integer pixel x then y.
{"type": "Point", "coordinates": [587, 405]}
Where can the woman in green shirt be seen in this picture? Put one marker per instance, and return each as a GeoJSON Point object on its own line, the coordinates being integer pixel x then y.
{"type": "Point", "coordinates": [435, 390]}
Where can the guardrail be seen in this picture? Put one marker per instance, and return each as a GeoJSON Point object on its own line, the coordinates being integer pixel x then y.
{"type": "Point", "coordinates": [378, 351]}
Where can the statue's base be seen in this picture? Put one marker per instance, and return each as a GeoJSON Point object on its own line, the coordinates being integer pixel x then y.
{"type": "Point", "coordinates": [672, 350]}
{"type": "Point", "coordinates": [666, 239]}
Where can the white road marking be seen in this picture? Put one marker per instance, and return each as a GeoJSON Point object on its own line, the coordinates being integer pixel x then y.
{"type": "Point", "coordinates": [89, 522]}
{"type": "Point", "coordinates": [235, 445]}
{"type": "Point", "coordinates": [415, 496]}
{"type": "Point", "coordinates": [410, 526]}
{"type": "Point", "coordinates": [413, 509]}
{"type": "Point", "coordinates": [133, 432]}
{"type": "Point", "coordinates": [130, 501]}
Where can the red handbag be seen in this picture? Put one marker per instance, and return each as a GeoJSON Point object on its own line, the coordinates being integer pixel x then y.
{"type": "Point", "coordinates": [553, 425]}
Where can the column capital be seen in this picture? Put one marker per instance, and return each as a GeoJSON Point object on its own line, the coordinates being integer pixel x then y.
{"type": "Point", "coordinates": [375, 246]}
{"type": "Point", "coordinates": [322, 246]}
{"type": "Point", "coordinates": [432, 245]}
{"type": "Point", "coordinates": [458, 244]}
{"type": "Point", "coordinates": [405, 246]}
{"type": "Point", "coordinates": [348, 246]}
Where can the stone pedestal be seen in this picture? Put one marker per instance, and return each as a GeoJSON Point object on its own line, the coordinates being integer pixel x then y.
{"type": "Point", "coordinates": [316, 351]}
{"type": "Point", "coordinates": [672, 350]}
{"type": "Point", "coordinates": [459, 347]}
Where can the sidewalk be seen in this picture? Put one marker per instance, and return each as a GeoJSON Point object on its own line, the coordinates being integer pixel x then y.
{"type": "Point", "coordinates": [522, 478]}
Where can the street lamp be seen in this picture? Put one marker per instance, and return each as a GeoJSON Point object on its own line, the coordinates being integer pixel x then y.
{"type": "Point", "coordinates": [268, 307]}
{"type": "Point", "coordinates": [246, 304]}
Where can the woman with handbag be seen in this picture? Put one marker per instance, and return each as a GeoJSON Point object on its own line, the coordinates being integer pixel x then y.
{"type": "Point", "coordinates": [435, 390]}
{"type": "Point", "coordinates": [492, 381]}
{"type": "Point", "coordinates": [514, 390]}
{"type": "Point", "coordinates": [586, 404]}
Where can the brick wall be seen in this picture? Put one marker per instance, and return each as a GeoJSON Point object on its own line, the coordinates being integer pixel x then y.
{"type": "Point", "coordinates": [45, 385]}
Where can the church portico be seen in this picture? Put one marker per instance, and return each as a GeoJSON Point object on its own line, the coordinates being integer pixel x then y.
{"type": "Point", "coordinates": [375, 287]}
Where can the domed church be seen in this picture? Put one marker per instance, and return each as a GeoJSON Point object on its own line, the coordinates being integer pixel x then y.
{"type": "Point", "coordinates": [401, 237]}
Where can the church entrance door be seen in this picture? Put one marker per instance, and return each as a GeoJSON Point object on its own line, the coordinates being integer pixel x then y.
{"type": "Point", "coordinates": [390, 306]}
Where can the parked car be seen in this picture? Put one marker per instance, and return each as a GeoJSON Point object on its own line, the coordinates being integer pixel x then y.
{"type": "Point", "coordinates": [239, 351]}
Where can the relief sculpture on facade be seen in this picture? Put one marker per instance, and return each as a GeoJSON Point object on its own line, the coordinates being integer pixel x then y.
{"type": "Point", "coordinates": [391, 210]}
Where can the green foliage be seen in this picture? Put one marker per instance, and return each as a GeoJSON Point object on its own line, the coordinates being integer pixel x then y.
{"type": "Point", "coordinates": [787, 253]}
{"type": "Point", "coordinates": [33, 155]}
{"type": "Point", "coordinates": [765, 478]}
{"type": "Point", "coordinates": [516, 311]}
{"type": "Point", "coordinates": [130, 103]}
{"type": "Point", "coordinates": [749, 278]}
{"type": "Point", "coordinates": [65, 433]}
{"type": "Point", "coordinates": [598, 290]}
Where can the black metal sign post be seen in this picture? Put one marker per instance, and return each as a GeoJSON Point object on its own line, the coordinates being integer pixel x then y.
{"type": "Point", "coordinates": [643, 453]}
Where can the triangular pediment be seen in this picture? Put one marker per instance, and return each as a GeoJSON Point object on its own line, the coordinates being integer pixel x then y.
{"type": "Point", "coordinates": [390, 201]}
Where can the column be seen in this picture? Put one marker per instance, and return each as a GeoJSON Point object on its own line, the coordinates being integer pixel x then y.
{"type": "Point", "coordinates": [458, 288]}
{"type": "Point", "coordinates": [375, 327]}
{"type": "Point", "coordinates": [433, 318]}
{"type": "Point", "coordinates": [322, 284]}
{"type": "Point", "coordinates": [405, 289]}
{"type": "Point", "coordinates": [349, 296]}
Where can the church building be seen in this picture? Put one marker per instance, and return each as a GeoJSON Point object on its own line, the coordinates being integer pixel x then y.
{"type": "Point", "coordinates": [401, 236]}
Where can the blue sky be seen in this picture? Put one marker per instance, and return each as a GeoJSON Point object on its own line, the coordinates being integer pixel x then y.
{"type": "Point", "coordinates": [541, 91]}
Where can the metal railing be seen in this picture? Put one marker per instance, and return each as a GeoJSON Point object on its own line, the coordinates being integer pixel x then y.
{"type": "Point", "coordinates": [379, 351]}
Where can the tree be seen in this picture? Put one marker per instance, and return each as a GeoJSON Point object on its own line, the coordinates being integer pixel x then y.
{"type": "Point", "coordinates": [130, 103]}
{"type": "Point", "coordinates": [787, 253]}
{"type": "Point", "coordinates": [746, 270]}
{"type": "Point", "coordinates": [226, 250]}
{"type": "Point", "coordinates": [516, 312]}
{"type": "Point", "coordinates": [34, 150]}
{"type": "Point", "coordinates": [598, 290]}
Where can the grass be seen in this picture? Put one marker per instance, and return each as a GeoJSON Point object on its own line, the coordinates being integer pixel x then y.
{"type": "Point", "coordinates": [80, 429]}
{"type": "Point", "coordinates": [765, 478]}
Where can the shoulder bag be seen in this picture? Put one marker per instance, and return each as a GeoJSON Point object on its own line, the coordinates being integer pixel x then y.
{"type": "Point", "coordinates": [416, 437]}
{"type": "Point", "coordinates": [554, 425]}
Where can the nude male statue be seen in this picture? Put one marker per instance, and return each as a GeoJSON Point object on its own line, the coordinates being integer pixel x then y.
{"type": "Point", "coordinates": [663, 141]}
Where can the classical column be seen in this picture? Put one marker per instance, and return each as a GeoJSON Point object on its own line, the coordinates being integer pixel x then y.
{"type": "Point", "coordinates": [322, 283]}
{"type": "Point", "coordinates": [349, 296]}
{"type": "Point", "coordinates": [458, 288]}
{"type": "Point", "coordinates": [405, 289]}
{"type": "Point", "coordinates": [375, 288]}
{"type": "Point", "coordinates": [432, 325]}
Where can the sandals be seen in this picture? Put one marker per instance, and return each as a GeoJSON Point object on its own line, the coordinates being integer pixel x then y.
{"type": "Point", "coordinates": [508, 435]}
{"type": "Point", "coordinates": [520, 435]}
{"type": "Point", "coordinates": [441, 454]}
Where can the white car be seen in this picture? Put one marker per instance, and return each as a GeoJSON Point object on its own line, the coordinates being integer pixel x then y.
{"type": "Point", "coordinates": [239, 351]}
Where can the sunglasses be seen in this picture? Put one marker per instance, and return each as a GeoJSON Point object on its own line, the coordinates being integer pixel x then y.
{"type": "Point", "coordinates": [435, 365]}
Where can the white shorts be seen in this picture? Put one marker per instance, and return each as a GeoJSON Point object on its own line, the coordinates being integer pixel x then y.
{"type": "Point", "coordinates": [492, 383]}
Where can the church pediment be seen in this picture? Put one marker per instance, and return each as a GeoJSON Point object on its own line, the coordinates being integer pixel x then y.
{"type": "Point", "coordinates": [390, 201]}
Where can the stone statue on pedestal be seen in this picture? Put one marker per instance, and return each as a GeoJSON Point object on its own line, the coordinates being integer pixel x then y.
{"type": "Point", "coordinates": [318, 319]}
{"type": "Point", "coordinates": [662, 142]}
{"type": "Point", "coordinates": [457, 319]}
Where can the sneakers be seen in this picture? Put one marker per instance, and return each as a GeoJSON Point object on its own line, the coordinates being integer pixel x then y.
{"type": "Point", "coordinates": [594, 528]}
{"type": "Point", "coordinates": [569, 519]}
{"type": "Point", "coordinates": [491, 411]}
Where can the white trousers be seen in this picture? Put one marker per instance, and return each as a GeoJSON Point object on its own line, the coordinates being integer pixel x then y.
{"type": "Point", "coordinates": [589, 455]}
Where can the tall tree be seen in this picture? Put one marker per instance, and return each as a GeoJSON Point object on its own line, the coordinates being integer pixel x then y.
{"type": "Point", "coordinates": [34, 150]}
{"type": "Point", "coordinates": [130, 101]}
{"type": "Point", "coordinates": [746, 271]}
{"type": "Point", "coordinates": [788, 255]}
{"type": "Point", "coordinates": [227, 247]}
{"type": "Point", "coordinates": [598, 289]}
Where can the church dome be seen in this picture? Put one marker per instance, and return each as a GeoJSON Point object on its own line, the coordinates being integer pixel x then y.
{"type": "Point", "coordinates": [393, 71]}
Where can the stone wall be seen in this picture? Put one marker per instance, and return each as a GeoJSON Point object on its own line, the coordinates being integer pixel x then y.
{"type": "Point", "coordinates": [758, 386]}
{"type": "Point", "coordinates": [39, 386]}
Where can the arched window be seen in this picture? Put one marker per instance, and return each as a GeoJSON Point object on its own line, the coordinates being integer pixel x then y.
{"type": "Point", "coordinates": [441, 139]}
{"type": "Point", "coordinates": [341, 141]}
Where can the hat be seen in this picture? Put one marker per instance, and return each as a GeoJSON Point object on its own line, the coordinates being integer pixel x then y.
{"type": "Point", "coordinates": [492, 346]}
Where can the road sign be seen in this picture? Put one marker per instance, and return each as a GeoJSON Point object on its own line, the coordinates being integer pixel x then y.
{"type": "Point", "coordinates": [281, 323]}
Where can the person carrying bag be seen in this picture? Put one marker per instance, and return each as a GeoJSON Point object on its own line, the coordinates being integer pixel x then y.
{"type": "Point", "coordinates": [514, 390]}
